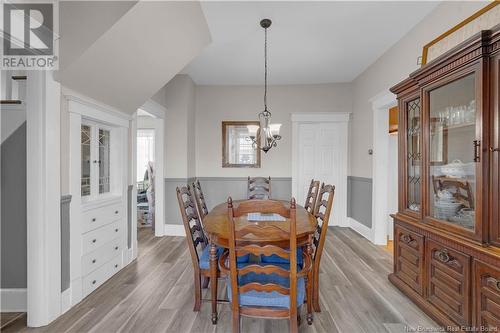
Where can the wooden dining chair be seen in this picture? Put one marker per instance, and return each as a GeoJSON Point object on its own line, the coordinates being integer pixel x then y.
{"type": "Point", "coordinates": [200, 200]}
{"type": "Point", "coordinates": [322, 213]}
{"type": "Point", "coordinates": [197, 241]}
{"type": "Point", "coordinates": [265, 290]}
{"type": "Point", "coordinates": [312, 195]}
{"type": "Point", "coordinates": [259, 188]}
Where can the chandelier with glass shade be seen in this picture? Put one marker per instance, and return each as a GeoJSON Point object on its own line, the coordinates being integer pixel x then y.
{"type": "Point", "coordinates": [269, 133]}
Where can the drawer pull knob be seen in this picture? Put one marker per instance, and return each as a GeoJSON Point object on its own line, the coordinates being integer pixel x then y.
{"type": "Point", "coordinates": [116, 212]}
{"type": "Point", "coordinates": [116, 247]}
{"type": "Point", "coordinates": [116, 230]}
{"type": "Point", "coordinates": [94, 240]}
{"type": "Point", "coordinates": [93, 261]}
{"type": "Point", "coordinates": [406, 238]}
{"type": "Point", "coordinates": [494, 282]}
{"type": "Point", "coordinates": [116, 265]}
{"type": "Point", "coordinates": [93, 219]}
{"type": "Point", "coordinates": [442, 256]}
{"type": "Point", "coordinates": [93, 282]}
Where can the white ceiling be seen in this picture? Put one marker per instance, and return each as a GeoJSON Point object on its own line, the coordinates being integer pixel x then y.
{"type": "Point", "coordinates": [309, 42]}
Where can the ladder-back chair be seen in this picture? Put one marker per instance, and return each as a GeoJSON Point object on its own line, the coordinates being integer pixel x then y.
{"type": "Point", "coordinates": [265, 290]}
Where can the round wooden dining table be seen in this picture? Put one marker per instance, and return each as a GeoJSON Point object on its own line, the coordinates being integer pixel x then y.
{"type": "Point", "coordinates": [216, 227]}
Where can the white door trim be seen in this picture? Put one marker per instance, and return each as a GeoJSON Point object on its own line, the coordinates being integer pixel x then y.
{"type": "Point", "coordinates": [380, 206]}
{"type": "Point", "coordinates": [159, 113]}
{"type": "Point", "coordinates": [319, 117]}
{"type": "Point", "coordinates": [43, 198]}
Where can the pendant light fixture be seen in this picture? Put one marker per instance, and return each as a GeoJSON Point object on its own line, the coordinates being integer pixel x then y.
{"type": "Point", "coordinates": [269, 133]}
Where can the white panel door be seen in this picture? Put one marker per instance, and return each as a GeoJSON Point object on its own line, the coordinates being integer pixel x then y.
{"type": "Point", "coordinates": [322, 155]}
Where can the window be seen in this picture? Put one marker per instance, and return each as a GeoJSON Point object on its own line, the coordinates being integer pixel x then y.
{"type": "Point", "coordinates": [96, 160]}
{"type": "Point", "coordinates": [237, 148]}
{"type": "Point", "coordinates": [145, 151]}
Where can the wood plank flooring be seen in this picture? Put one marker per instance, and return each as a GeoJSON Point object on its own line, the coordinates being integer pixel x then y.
{"type": "Point", "coordinates": [155, 294]}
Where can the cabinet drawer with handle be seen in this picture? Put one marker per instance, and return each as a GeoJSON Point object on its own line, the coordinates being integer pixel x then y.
{"type": "Point", "coordinates": [96, 238]}
{"type": "Point", "coordinates": [99, 276]}
{"type": "Point", "coordinates": [96, 258]}
{"type": "Point", "coordinates": [487, 293]}
{"type": "Point", "coordinates": [409, 258]}
{"type": "Point", "coordinates": [448, 281]}
{"type": "Point", "coordinates": [95, 218]}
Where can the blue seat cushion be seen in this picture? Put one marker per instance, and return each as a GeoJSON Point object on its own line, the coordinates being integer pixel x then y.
{"type": "Point", "coordinates": [205, 257]}
{"type": "Point", "coordinates": [274, 259]}
{"type": "Point", "coordinates": [269, 299]}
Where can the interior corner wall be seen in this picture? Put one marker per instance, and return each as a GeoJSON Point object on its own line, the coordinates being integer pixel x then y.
{"type": "Point", "coordinates": [393, 66]}
{"type": "Point", "coordinates": [215, 104]}
{"type": "Point", "coordinates": [177, 96]}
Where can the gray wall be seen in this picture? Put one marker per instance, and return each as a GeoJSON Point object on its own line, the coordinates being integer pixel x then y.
{"type": "Point", "coordinates": [65, 242]}
{"type": "Point", "coordinates": [359, 199]}
{"type": "Point", "coordinates": [13, 207]}
{"type": "Point", "coordinates": [216, 190]}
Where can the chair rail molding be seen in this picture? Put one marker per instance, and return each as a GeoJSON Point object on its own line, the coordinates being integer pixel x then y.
{"type": "Point", "coordinates": [380, 105]}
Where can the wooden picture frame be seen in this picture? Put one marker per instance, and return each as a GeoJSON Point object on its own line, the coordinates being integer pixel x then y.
{"type": "Point", "coordinates": [483, 19]}
{"type": "Point", "coordinates": [225, 145]}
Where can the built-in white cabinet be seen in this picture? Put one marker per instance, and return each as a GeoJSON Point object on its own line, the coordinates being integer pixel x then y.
{"type": "Point", "coordinates": [98, 179]}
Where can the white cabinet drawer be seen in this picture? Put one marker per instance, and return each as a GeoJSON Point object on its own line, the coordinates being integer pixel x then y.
{"type": "Point", "coordinates": [95, 218]}
{"type": "Point", "coordinates": [99, 276]}
{"type": "Point", "coordinates": [96, 238]}
{"type": "Point", "coordinates": [101, 255]}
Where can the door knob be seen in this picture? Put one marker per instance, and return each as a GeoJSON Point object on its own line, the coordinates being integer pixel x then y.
{"type": "Point", "coordinates": [494, 149]}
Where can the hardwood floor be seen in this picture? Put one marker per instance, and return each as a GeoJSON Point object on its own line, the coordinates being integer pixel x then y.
{"type": "Point", "coordinates": [155, 294]}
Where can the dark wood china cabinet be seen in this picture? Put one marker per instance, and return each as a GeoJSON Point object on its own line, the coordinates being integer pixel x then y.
{"type": "Point", "coordinates": [447, 229]}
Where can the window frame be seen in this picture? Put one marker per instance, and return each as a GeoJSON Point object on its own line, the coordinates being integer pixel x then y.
{"type": "Point", "coordinates": [94, 156]}
{"type": "Point", "coordinates": [225, 145]}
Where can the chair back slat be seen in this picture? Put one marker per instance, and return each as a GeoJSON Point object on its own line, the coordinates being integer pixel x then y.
{"type": "Point", "coordinates": [312, 195]}
{"type": "Point", "coordinates": [266, 250]}
{"type": "Point", "coordinates": [259, 188]}
{"type": "Point", "coordinates": [268, 287]}
{"type": "Point", "coordinates": [200, 200]}
{"type": "Point", "coordinates": [264, 231]}
{"type": "Point", "coordinates": [192, 225]}
{"type": "Point", "coordinates": [267, 269]}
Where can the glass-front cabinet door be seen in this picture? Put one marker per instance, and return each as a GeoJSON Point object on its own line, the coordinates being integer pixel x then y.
{"type": "Point", "coordinates": [413, 156]}
{"type": "Point", "coordinates": [453, 155]}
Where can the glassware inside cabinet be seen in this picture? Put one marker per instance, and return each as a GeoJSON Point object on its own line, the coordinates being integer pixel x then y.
{"type": "Point", "coordinates": [452, 152]}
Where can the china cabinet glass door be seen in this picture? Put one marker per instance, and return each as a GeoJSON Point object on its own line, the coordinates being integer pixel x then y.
{"type": "Point", "coordinates": [453, 154]}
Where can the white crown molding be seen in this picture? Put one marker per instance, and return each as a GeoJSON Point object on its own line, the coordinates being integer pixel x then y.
{"type": "Point", "coordinates": [154, 108]}
{"type": "Point", "coordinates": [321, 117]}
{"type": "Point", "coordinates": [91, 108]}
{"type": "Point", "coordinates": [14, 299]}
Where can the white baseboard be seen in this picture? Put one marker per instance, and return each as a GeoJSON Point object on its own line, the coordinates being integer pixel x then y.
{"type": "Point", "coordinates": [14, 300]}
{"type": "Point", "coordinates": [174, 230]}
{"type": "Point", "coordinates": [361, 229]}
{"type": "Point", "coordinates": [66, 300]}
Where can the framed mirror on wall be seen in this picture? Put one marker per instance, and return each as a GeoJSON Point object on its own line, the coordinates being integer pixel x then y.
{"type": "Point", "coordinates": [237, 148]}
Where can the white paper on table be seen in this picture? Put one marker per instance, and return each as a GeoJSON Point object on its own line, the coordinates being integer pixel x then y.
{"type": "Point", "coordinates": [265, 217]}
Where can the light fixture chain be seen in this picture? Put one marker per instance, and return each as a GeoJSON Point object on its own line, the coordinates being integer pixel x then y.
{"type": "Point", "coordinates": [265, 69]}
